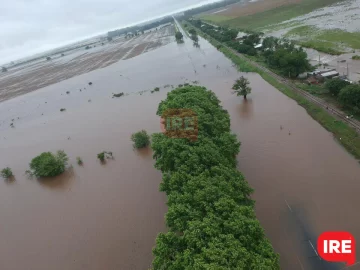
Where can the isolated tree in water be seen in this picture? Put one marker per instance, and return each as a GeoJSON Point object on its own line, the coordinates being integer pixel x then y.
{"type": "Point", "coordinates": [241, 87]}
{"type": "Point", "coordinates": [179, 37]}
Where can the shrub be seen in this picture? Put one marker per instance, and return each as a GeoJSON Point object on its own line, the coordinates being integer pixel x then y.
{"type": "Point", "coordinates": [141, 139]}
{"type": "Point", "coordinates": [356, 57]}
{"type": "Point", "coordinates": [104, 155]}
{"type": "Point", "coordinates": [48, 164]}
{"type": "Point", "coordinates": [62, 109]}
{"type": "Point", "coordinates": [79, 161]}
{"type": "Point", "coordinates": [6, 173]}
{"type": "Point", "coordinates": [118, 95]}
{"type": "Point", "coordinates": [156, 89]}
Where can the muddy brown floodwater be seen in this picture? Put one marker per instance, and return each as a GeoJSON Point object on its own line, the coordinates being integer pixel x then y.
{"type": "Point", "coordinates": [107, 216]}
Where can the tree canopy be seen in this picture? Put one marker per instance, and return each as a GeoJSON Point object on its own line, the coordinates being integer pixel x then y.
{"type": "Point", "coordinates": [335, 85]}
{"type": "Point", "coordinates": [350, 96]}
{"type": "Point", "coordinates": [241, 87]}
{"type": "Point", "coordinates": [211, 218]}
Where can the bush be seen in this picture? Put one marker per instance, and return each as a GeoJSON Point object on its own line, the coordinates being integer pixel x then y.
{"type": "Point", "coordinates": [48, 164]}
{"type": "Point", "coordinates": [356, 57]}
{"type": "Point", "coordinates": [6, 173]}
{"type": "Point", "coordinates": [104, 155]}
{"type": "Point", "coordinates": [79, 161]}
{"type": "Point", "coordinates": [118, 95]}
{"type": "Point", "coordinates": [141, 139]}
{"type": "Point", "coordinates": [335, 85]}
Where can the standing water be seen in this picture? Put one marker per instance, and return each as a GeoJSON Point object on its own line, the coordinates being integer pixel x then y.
{"type": "Point", "coordinates": [107, 216]}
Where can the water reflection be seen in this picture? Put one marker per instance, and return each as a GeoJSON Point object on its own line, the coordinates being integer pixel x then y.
{"type": "Point", "coordinates": [61, 182]}
{"type": "Point", "coordinates": [246, 108]}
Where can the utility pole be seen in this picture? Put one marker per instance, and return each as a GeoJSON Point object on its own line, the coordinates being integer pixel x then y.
{"type": "Point", "coordinates": [319, 60]}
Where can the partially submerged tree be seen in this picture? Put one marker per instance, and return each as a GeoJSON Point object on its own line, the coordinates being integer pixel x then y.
{"type": "Point", "coordinates": [48, 58]}
{"type": "Point", "coordinates": [241, 87]}
{"type": "Point", "coordinates": [140, 139]}
{"type": "Point", "coordinates": [6, 173]}
{"type": "Point", "coordinates": [48, 164]}
{"type": "Point", "coordinates": [179, 37]}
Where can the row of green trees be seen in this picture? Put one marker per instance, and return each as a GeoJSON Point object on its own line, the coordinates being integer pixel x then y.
{"type": "Point", "coordinates": [279, 54]}
{"type": "Point", "coordinates": [348, 94]}
{"type": "Point", "coordinates": [211, 217]}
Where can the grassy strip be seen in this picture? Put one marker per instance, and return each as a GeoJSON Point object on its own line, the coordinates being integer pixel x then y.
{"type": "Point", "coordinates": [321, 46]}
{"type": "Point", "coordinates": [344, 134]}
{"type": "Point", "coordinates": [327, 41]}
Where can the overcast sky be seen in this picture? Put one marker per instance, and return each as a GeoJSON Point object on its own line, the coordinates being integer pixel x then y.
{"type": "Point", "coordinates": [32, 26]}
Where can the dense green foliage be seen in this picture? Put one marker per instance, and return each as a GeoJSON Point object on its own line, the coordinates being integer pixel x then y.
{"type": "Point", "coordinates": [48, 164]}
{"type": "Point", "coordinates": [356, 57]}
{"type": "Point", "coordinates": [140, 139]}
{"type": "Point", "coordinates": [350, 96]}
{"type": "Point", "coordinates": [241, 87]}
{"type": "Point", "coordinates": [211, 218]}
{"type": "Point", "coordinates": [335, 85]}
{"type": "Point", "coordinates": [6, 173]}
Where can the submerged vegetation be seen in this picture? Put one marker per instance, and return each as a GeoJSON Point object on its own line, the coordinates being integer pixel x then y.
{"type": "Point", "coordinates": [211, 218]}
{"type": "Point", "coordinates": [79, 161]}
{"type": "Point", "coordinates": [118, 95]}
{"type": "Point", "coordinates": [48, 164]}
{"type": "Point", "coordinates": [140, 139]}
{"type": "Point", "coordinates": [105, 155]}
{"type": "Point", "coordinates": [6, 173]}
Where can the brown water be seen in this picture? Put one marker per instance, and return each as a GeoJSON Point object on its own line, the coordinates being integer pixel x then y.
{"type": "Point", "coordinates": [108, 216]}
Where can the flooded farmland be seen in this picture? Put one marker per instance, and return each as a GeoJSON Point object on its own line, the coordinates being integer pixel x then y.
{"type": "Point", "coordinates": [107, 216]}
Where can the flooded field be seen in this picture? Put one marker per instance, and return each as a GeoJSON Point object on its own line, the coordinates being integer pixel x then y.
{"type": "Point", "coordinates": [35, 75]}
{"type": "Point", "coordinates": [107, 216]}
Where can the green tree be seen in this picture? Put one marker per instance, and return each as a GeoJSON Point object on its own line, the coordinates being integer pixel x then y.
{"type": "Point", "coordinates": [350, 96]}
{"type": "Point", "coordinates": [242, 87]}
{"type": "Point", "coordinates": [211, 218]}
{"type": "Point", "coordinates": [335, 85]}
{"type": "Point", "coordinates": [6, 173]}
{"type": "Point", "coordinates": [179, 37]}
{"type": "Point", "coordinates": [48, 164]}
{"type": "Point", "coordinates": [140, 139]}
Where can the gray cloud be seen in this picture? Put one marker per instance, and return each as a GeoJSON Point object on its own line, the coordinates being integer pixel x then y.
{"type": "Point", "coordinates": [32, 26]}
